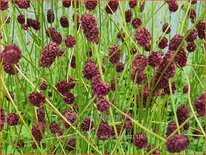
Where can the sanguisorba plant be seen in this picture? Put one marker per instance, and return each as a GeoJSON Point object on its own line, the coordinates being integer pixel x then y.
{"type": "Point", "coordinates": [102, 76]}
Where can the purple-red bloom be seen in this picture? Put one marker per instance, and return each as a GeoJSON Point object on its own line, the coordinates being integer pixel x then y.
{"type": "Point", "coordinates": [103, 105]}
{"type": "Point", "coordinates": [12, 119]}
{"type": "Point", "coordinates": [112, 6]}
{"type": "Point", "coordinates": [70, 41]}
{"type": "Point", "coordinates": [49, 54]}
{"type": "Point", "coordinates": [200, 103]}
{"type": "Point", "coordinates": [50, 16]}
{"type": "Point", "coordinates": [154, 59]}
{"type": "Point", "coordinates": [90, 4]}
{"type": "Point", "coordinates": [143, 37]}
{"type": "Point", "coordinates": [71, 116]}
{"type": "Point", "coordinates": [104, 131]}
{"type": "Point", "coordinates": [37, 99]}
{"type": "Point", "coordinates": [177, 143]}
{"type": "Point", "coordinates": [136, 22]}
{"type": "Point", "coordinates": [11, 54]}
{"type": "Point", "coordinates": [128, 16]}
{"type": "Point", "coordinates": [166, 28]}
{"type": "Point", "coordinates": [163, 42]}
{"type": "Point", "coordinates": [90, 69]}
{"type": "Point", "coordinates": [64, 21]}
{"type": "Point", "coordinates": [171, 127]}
{"type": "Point", "coordinates": [140, 140]}
{"type": "Point", "coordinates": [89, 26]}
{"type": "Point", "coordinates": [87, 124]}
{"type": "Point", "coordinates": [175, 42]}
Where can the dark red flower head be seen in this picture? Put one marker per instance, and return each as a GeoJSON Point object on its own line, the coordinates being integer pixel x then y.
{"type": "Point", "coordinates": [192, 15]}
{"type": "Point", "coordinates": [104, 130]}
{"type": "Point", "coordinates": [89, 26]}
{"type": "Point", "coordinates": [43, 85]}
{"type": "Point", "coordinates": [119, 129]}
{"type": "Point", "coordinates": [177, 143]}
{"type": "Point", "coordinates": [70, 41]}
{"type": "Point", "coordinates": [166, 28]}
{"type": "Point", "coordinates": [90, 4]}
{"type": "Point", "coordinates": [154, 59]}
{"type": "Point", "coordinates": [171, 127]}
{"type": "Point", "coordinates": [7, 19]}
{"type": "Point", "coordinates": [114, 54]}
{"type": "Point", "coordinates": [173, 5]}
{"type": "Point", "coordinates": [113, 84]}
{"type": "Point", "coordinates": [137, 77]}
{"type": "Point", "coordinates": [35, 24]}
{"type": "Point", "coordinates": [165, 70]}
{"type": "Point", "coordinates": [201, 28]}
{"type": "Point", "coordinates": [175, 42]}
{"type": "Point", "coordinates": [167, 60]}
{"type": "Point", "coordinates": [120, 67]}
{"type": "Point", "coordinates": [128, 16]}
{"type": "Point", "coordinates": [38, 130]}
{"type": "Point", "coordinates": [99, 87]}
{"type": "Point", "coordinates": [41, 115]}
{"type": "Point", "coordinates": [163, 42]}
{"type": "Point", "coordinates": [128, 122]}
{"type": "Point", "coordinates": [54, 35]}
{"type": "Point", "coordinates": [11, 69]}
{"type": "Point", "coordinates": [185, 89]}
{"type": "Point", "coordinates": [49, 54]}
{"type": "Point", "coordinates": [4, 4]}
{"type": "Point", "coordinates": [112, 6]}
{"type": "Point", "coordinates": [87, 124]}
{"type": "Point", "coordinates": [71, 144]}
{"type": "Point", "coordinates": [136, 22]}
{"type": "Point", "coordinates": [64, 22]}
{"type": "Point", "coordinates": [182, 113]}
{"type": "Point", "coordinates": [140, 140]}
{"type": "Point", "coordinates": [54, 127]}
{"type": "Point", "coordinates": [151, 147]}
{"type": "Point", "coordinates": [90, 69]}
{"type": "Point", "coordinates": [181, 58]}
{"type": "Point", "coordinates": [12, 119]}
{"type": "Point", "coordinates": [132, 3]}
{"type": "Point", "coordinates": [143, 37]}
{"type": "Point", "coordinates": [37, 99]}
{"type": "Point", "coordinates": [200, 103]}
{"type": "Point", "coordinates": [69, 98]}
{"type": "Point", "coordinates": [63, 86]}
{"type": "Point", "coordinates": [139, 63]}
{"type": "Point", "coordinates": [166, 90]}
{"type": "Point", "coordinates": [66, 3]}
{"type": "Point", "coordinates": [50, 16]}
{"type": "Point", "coordinates": [21, 19]}
{"type": "Point", "coordinates": [191, 46]}
{"type": "Point", "coordinates": [71, 116]}
{"type": "Point", "coordinates": [11, 54]}
{"type": "Point", "coordinates": [2, 115]}
{"type": "Point", "coordinates": [121, 36]}
{"type": "Point", "coordinates": [193, 34]}
{"type": "Point", "coordinates": [23, 4]}
{"type": "Point", "coordinates": [2, 118]}
{"type": "Point", "coordinates": [103, 105]}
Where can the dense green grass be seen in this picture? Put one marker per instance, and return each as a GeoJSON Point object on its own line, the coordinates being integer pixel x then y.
{"type": "Point", "coordinates": [150, 120]}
